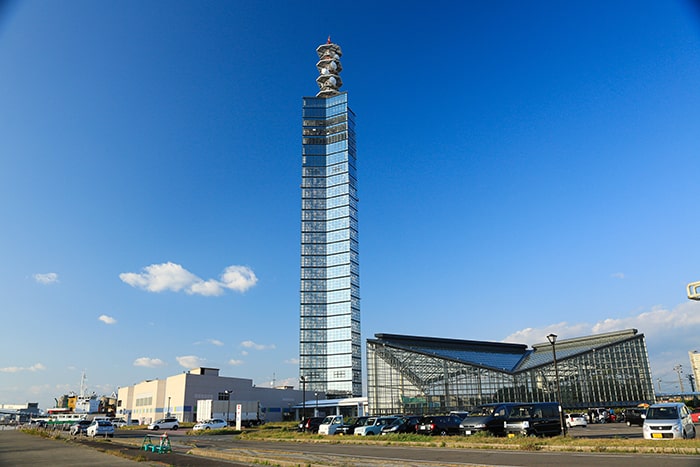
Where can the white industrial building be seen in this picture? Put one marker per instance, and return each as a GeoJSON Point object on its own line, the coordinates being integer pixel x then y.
{"type": "Point", "coordinates": [177, 396]}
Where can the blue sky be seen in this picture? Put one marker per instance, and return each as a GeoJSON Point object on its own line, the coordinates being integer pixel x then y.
{"type": "Point", "coordinates": [524, 168]}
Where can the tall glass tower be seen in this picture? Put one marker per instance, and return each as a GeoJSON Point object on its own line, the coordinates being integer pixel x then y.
{"type": "Point", "coordinates": [329, 346]}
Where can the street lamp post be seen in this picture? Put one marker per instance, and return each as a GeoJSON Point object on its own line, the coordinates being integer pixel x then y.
{"type": "Point", "coordinates": [303, 395]}
{"type": "Point", "coordinates": [168, 414]}
{"type": "Point", "coordinates": [228, 393]}
{"type": "Point", "coordinates": [552, 338]}
{"type": "Point", "coordinates": [316, 409]}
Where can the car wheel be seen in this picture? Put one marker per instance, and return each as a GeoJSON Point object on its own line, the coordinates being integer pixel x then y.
{"type": "Point", "coordinates": [175, 428]}
{"type": "Point", "coordinates": [369, 433]}
{"type": "Point", "coordinates": [629, 423]}
{"type": "Point", "coordinates": [206, 427]}
{"type": "Point", "coordinates": [443, 432]}
{"type": "Point", "coordinates": [155, 428]}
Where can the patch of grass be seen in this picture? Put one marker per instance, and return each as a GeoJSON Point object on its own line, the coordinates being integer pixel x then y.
{"type": "Point", "coordinates": [286, 431]}
{"type": "Point", "coordinates": [215, 432]}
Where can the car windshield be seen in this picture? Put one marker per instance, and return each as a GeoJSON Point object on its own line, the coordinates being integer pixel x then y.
{"type": "Point", "coordinates": [482, 412]}
{"type": "Point", "coordinates": [662, 413]}
{"type": "Point", "coordinates": [328, 420]}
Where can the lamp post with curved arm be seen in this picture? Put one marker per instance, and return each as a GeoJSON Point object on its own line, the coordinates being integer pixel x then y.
{"type": "Point", "coordinates": [552, 338]}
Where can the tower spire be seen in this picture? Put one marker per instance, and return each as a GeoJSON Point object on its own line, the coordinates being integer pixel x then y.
{"type": "Point", "coordinates": [328, 68]}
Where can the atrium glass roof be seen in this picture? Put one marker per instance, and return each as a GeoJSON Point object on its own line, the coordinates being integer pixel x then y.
{"type": "Point", "coordinates": [509, 358]}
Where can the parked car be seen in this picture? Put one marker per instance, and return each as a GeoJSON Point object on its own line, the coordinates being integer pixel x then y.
{"type": "Point", "coordinates": [575, 419]}
{"type": "Point", "coordinates": [100, 428]}
{"type": "Point", "coordinates": [635, 416]}
{"type": "Point", "coordinates": [373, 426]}
{"type": "Point", "coordinates": [311, 424]}
{"type": "Point", "coordinates": [118, 422]}
{"type": "Point", "coordinates": [509, 418]}
{"type": "Point", "coordinates": [442, 425]}
{"type": "Point", "coordinates": [348, 428]}
{"type": "Point", "coordinates": [669, 420]}
{"type": "Point", "coordinates": [695, 416]}
{"type": "Point", "coordinates": [532, 419]}
{"type": "Point", "coordinates": [170, 423]}
{"type": "Point", "coordinates": [330, 424]}
{"type": "Point", "coordinates": [402, 425]}
{"type": "Point", "coordinates": [80, 428]}
{"type": "Point", "coordinates": [212, 424]}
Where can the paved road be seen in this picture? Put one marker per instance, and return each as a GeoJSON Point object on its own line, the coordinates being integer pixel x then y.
{"type": "Point", "coordinates": [19, 449]}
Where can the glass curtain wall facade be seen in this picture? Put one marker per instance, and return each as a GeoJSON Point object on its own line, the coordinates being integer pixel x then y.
{"type": "Point", "coordinates": [428, 375]}
{"type": "Point", "coordinates": [330, 341]}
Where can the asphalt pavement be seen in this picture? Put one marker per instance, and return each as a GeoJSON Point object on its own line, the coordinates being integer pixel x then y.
{"type": "Point", "coordinates": [22, 449]}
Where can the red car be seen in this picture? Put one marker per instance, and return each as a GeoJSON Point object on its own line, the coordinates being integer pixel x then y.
{"type": "Point", "coordinates": [695, 416]}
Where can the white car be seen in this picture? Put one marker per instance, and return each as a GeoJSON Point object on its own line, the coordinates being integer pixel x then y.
{"type": "Point", "coordinates": [170, 423]}
{"type": "Point", "coordinates": [668, 421]}
{"type": "Point", "coordinates": [330, 424]}
{"type": "Point", "coordinates": [374, 425]}
{"type": "Point", "coordinates": [118, 422]}
{"type": "Point", "coordinates": [213, 424]}
{"type": "Point", "coordinates": [100, 428]}
{"type": "Point", "coordinates": [575, 419]}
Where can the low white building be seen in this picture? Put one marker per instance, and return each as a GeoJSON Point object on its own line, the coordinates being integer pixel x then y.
{"type": "Point", "coordinates": [177, 396]}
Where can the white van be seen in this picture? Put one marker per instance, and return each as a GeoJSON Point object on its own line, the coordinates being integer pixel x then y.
{"type": "Point", "coordinates": [330, 424]}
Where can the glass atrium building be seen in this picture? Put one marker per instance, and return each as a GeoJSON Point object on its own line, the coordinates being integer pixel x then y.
{"type": "Point", "coordinates": [417, 375]}
{"type": "Point", "coordinates": [330, 341]}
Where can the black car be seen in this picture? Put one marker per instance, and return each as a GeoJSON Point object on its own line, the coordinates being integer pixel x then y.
{"type": "Point", "coordinates": [402, 425]}
{"type": "Point", "coordinates": [635, 416]}
{"type": "Point", "coordinates": [311, 424]}
{"type": "Point", "coordinates": [442, 425]}
{"type": "Point", "coordinates": [80, 428]}
{"type": "Point", "coordinates": [348, 428]}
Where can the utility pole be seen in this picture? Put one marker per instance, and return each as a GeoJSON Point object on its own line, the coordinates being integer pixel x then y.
{"type": "Point", "coordinates": [679, 369]}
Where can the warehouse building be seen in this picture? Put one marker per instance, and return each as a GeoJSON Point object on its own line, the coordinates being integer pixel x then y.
{"type": "Point", "coordinates": [177, 396]}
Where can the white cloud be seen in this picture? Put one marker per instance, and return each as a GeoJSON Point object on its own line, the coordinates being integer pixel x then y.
{"type": "Point", "coordinates": [149, 362]}
{"type": "Point", "coordinates": [107, 319]}
{"type": "Point", "coordinates": [238, 278]}
{"type": "Point", "coordinates": [618, 275]}
{"type": "Point", "coordinates": [215, 342]}
{"type": "Point", "coordinates": [235, 362]}
{"type": "Point", "coordinates": [48, 278]}
{"type": "Point", "coordinates": [292, 361]}
{"type": "Point", "coordinates": [244, 352]}
{"type": "Point", "coordinates": [175, 278]}
{"type": "Point", "coordinates": [190, 361]}
{"type": "Point", "coordinates": [253, 345]}
{"type": "Point", "coordinates": [17, 369]}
